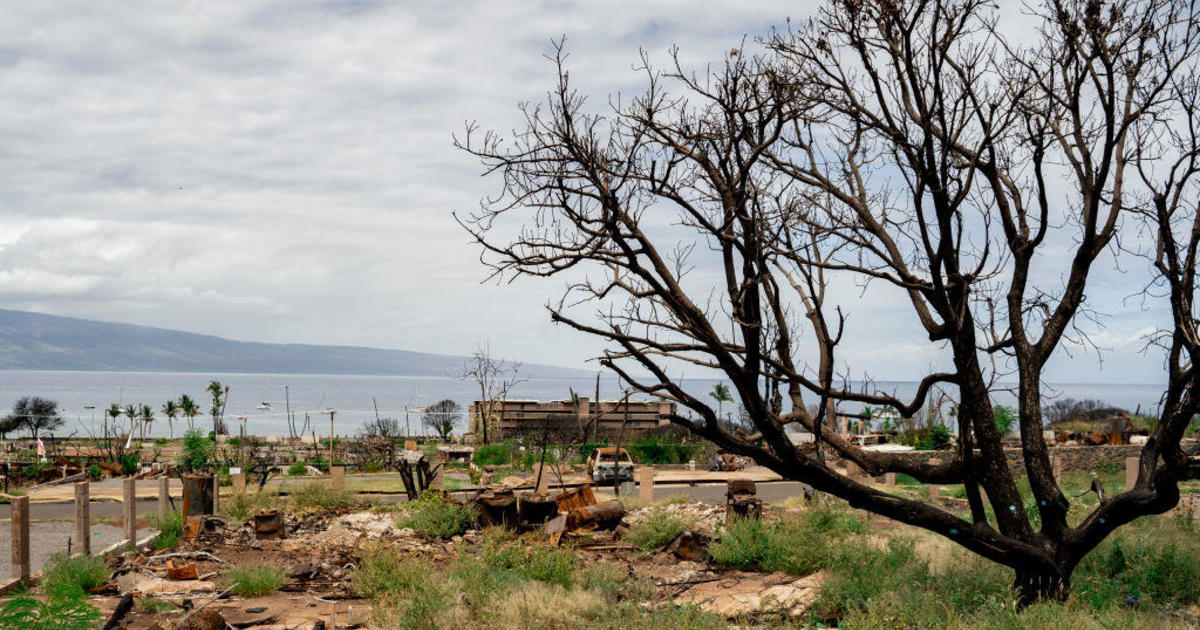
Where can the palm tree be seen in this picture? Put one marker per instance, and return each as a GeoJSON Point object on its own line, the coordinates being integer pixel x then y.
{"type": "Point", "coordinates": [114, 412]}
{"type": "Point", "coordinates": [131, 412]}
{"type": "Point", "coordinates": [147, 415]}
{"type": "Point", "coordinates": [218, 391]}
{"type": "Point", "coordinates": [720, 393]}
{"type": "Point", "coordinates": [189, 409]}
{"type": "Point", "coordinates": [170, 409]}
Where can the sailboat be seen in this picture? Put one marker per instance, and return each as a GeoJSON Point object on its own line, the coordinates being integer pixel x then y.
{"type": "Point", "coordinates": [264, 405]}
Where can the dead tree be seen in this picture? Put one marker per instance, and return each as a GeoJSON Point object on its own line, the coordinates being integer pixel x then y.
{"type": "Point", "coordinates": [910, 147]}
{"type": "Point", "coordinates": [495, 378]}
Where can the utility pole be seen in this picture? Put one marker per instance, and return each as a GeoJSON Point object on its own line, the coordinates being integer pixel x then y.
{"type": "Point", "coordinates": [331, 412]}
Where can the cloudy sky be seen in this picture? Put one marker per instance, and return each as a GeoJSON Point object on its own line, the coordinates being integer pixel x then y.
{"type": "Point", "coordinates": [283, 171]}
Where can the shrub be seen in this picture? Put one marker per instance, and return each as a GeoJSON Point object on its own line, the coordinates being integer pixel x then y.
{"type": "Point", "coordinates": [494, 454]}
{"type": "Point", "coordinates": [435, 516]}
{"type": "Point", "coordinates": [197, 450]}
{"type": "Point", "coordinates": [660, 528]}
{"type": "Point", "coordinates": [67, 575]}
{"type": "Point", "coordinates": [255, 580]}
{"type": "Point", "coordinates": [297, 469]}
{"type": "Point", "coordinates": [129, 464]}
{"type": "Point", "coordinates": [95, 472]}
{"type": "Point", "coordinates": [319, 496]}
{"type": "Point", "coordinates": [170, 528]}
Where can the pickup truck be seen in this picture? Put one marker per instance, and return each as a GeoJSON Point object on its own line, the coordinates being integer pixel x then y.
{"type": "Point", "coordinates": [605, 465]}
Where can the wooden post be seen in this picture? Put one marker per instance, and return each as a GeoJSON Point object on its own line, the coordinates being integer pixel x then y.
{"type": "Point", "coordinates": [130, 508]}
{"type": "Point", "coordinates": [20, 538]}
{"type": "Point", "coordinates": [646, 484]}
{"type": "Point", "coordinates": [541, 476]}
{"type": "Point", "coordinates": [935, 493]}
{"type": "Point", "coordinates": [889, 479]}
{"type": "Point", "coordinates": [239, 483]}
{"type": "Point", "coordinates": [1131, 472]}
{"type": "Point", "coordinates": [164, 496]}
{"type": "Point", "coordinates": [337, 475]}
{"type": "Point", "coordinates": [439, 477]}
{"type": "Point", "coordinates": [83, 518]}
{"type": "Point", "coordinates": [216, 480]}
{"type": "Point", "coordinates": [1056, 465]}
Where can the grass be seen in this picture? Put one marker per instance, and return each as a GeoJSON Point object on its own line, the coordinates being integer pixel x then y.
{"type": "Point", "coordinates": [512, 582]}
{"type": "Point", "coordinates": [435, 516]}
{"type": "Point", "coordinates": [56, 612]}
{"type": "Point", "coordinates": [658, 529]}
{"type": "Point", "coordinates": [798, 545]}
{"type": "Point", "coordinates": [242, 506]}
{"type": "Point", "coordinates": [67, 574]}
{"type": "Point", "coordinates": [255, 580]}
{"type": "Point", "coordinates": [913, 579]}
{"type": "Point", "coordinates": [318, 496]}
{"type": "Point", "coordinates": [170, 528]}
{"type": "Point", "coordinates": [155, 605]}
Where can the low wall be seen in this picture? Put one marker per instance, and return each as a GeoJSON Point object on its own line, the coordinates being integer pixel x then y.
{"type": "Point", "coordinates": [1074, 458]}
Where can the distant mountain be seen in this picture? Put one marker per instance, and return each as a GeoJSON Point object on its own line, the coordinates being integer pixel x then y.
{"type": "Point", "coordinates": [33, 341]}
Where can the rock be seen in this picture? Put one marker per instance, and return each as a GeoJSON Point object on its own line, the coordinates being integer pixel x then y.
{"type": "Point", "coordinates": [738, 593]}
{"type": "Point", "coordinates": [207, 619]}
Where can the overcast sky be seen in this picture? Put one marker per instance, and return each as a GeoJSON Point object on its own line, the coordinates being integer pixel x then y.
{"type": "Point", "coordinates": [283, 171]}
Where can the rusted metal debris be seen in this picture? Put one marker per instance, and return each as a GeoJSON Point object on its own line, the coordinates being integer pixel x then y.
{"type": "Point", "coordinates": [183, 572]}
{"type": "Point", "coordinates": [691, 545]}
{"type": "Point", "coordinates": [269, 524]}
{"type": "Point", "coordinates": [575, 498]}
{"type": "Point", "coordinates": [741, 500]}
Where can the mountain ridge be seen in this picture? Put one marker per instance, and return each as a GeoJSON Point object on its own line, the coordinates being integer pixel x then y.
{"type": "Point", "coordinates": [38, 341]}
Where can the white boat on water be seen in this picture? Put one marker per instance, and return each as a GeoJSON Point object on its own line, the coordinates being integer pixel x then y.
{"type": "Point", "coordinates": [264, 405]}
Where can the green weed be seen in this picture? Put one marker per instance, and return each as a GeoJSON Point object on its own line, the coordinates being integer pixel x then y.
{"type": "Point", "coordinates": [255, 580]}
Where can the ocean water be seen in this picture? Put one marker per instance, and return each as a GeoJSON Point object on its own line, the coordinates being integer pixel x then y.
{"type": "Point", "coordinates": [355, 398]}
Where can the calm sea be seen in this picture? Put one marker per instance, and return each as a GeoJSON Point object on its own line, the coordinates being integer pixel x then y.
{"type": "Point", "coordinates": [355, 398]}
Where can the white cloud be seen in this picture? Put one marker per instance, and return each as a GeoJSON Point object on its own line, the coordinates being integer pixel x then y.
{"type": "Point", "coordinates": [282, 171]}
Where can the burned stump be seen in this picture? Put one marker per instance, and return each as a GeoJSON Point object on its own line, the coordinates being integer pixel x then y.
{"type": "Point", "coordinates": [197, 495]}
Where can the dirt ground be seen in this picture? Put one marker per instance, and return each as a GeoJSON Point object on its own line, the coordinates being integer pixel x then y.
{"type": "Point", "coordinates": [320, 551]}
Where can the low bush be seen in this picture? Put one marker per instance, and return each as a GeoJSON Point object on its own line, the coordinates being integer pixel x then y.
{"type": "Point", "coordinates": [95, 472]}
{"type": "Point", "coordinates": [68, 575]}
{"type": "Point", "coordinates": [255, 580]}
{"type": "Point", "coordinates": [196, 452]}
{"type": "Point", "coordinates": [170, 528]}
{"type": "Point", "coordinates": [297, 469]}
{"type": "Point", "coordinates": [658, 529]}
{"type": "Point", "coordinates": [494, 454]}
{"type": "Point", "coordinates": [435, 516]}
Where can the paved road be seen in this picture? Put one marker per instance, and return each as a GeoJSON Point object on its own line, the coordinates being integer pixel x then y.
{"type": "Point", "coordinates": [48, 538]}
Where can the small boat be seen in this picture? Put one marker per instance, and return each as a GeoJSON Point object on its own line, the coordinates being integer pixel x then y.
{"type": "Point", "coordinates": [264, 405]}
{"type": "Point", "coordinates": [89, 406]}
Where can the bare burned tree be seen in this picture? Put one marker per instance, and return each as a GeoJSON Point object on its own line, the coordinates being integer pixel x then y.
{"type": "Point", "coordinates": [912, 148]}
{"type": "Point", "coordinates": [495, 378]}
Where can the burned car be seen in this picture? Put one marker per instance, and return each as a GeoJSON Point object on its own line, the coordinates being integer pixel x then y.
{"type": "Point", "coordinates": [605, 465]}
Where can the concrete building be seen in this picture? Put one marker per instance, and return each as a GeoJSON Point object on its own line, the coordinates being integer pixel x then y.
{"type": "Point", "coordinates": [517, 418]}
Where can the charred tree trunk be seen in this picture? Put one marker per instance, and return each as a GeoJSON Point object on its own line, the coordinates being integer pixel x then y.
{"type": "Point", "coordinates": [1034, 584]}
